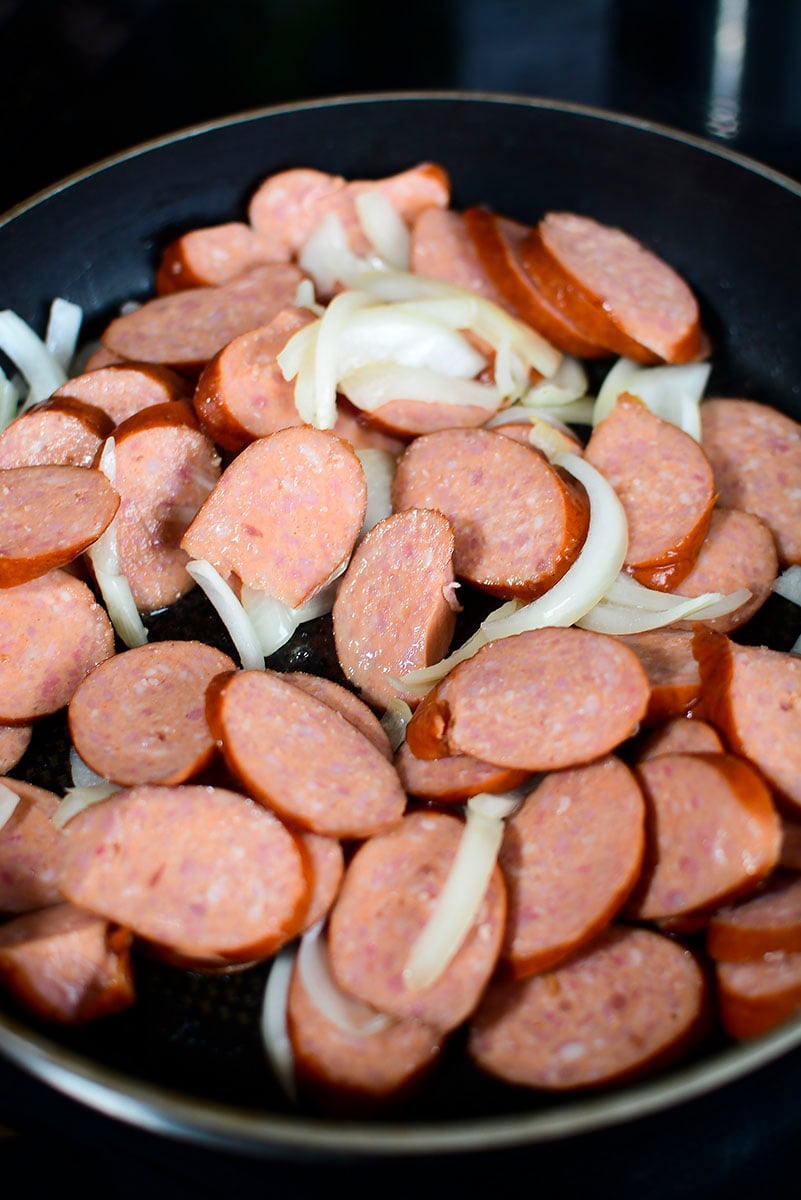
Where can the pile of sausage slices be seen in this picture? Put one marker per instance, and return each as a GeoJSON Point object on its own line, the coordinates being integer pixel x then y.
{"type": "Point", "coordinates": [573, 835]}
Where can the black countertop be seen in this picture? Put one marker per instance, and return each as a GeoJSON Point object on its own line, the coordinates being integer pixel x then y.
{"type": "Point", "coordinates": [83, 79]}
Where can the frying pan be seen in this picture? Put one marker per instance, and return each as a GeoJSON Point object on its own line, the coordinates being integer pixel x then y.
{"type": "Point", "coordinates": [187, 1061]}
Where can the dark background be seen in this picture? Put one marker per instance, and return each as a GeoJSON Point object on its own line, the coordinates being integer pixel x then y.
{"type": "Point", "coordinates": [84, 79]}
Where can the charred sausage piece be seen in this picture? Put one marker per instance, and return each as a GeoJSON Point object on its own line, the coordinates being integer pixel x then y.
{"type": "Point", "coordinates": [386, 900]}
{"type": "Point", "coordinates": [452, 780]}
{"type": "Point", "coordinates": [66, 965]}
{"type": "Point", "coordinates": [713, 833]}
{"type": "Point", "coordinates": [631, 1002]}
{"type": "Point", "coordinates": [122, 389]}
{"type": "Point", "coordinates": [345, 702]}
{"type": "Point", "coordinates": [754, 997]}
{"type": "Point", "coordinates": [66, 432]}
{"type": "Point", "coordinates": [648, 301]}
{"type": "Point", "coordinates": [443, 249]}
{"type": "Point", "coordinates": [539, 701]}
{"type": "Point", "coordinates": [52, 633]}
{"type": "Point", "coordinates": [755, 453]}
{"type": "Point", "coordinates": [203, 872]}
{"type": "Point", "coordinates": [680, 735]}
{"type": "Point", "coordinates": [285, 514]}
{"type": "Point", "coordinates": [241, 394]}
{"type": "Point", "coordinates": [31, 851]}
{"type": "Point", "coordinates": [497, 242]}
{"type": "Point", "coordinates": [667, 656]}
{"type": "Point", "coordinates": [325, 866]}
{"type": "Point", "coordinates": [753, 696]}
{"type": "Point", "coordinates": [518, 522]}
{"type": "Point", "coordinates": [768, 923]}
{"type": "Point", "coordinates": [570, 857]}
{"type": "Point", "coordinates": [48, 516]}
{"type": "Point", "coordinates": [161, 689]}
{"type": "Point", "coordinates": [298, 756]}
{"type": "Point", "coordinates": [394, 610]}
{"type": "Point", "coordinates": [665, 484]}
{"type": "Point", "coordinates": [350, 1073]}
{"type": "Point", "coordinates": [209, 256]}
{"type": "Point", "coordinates": [165, 469]}
{"type": "Point", "coordinates": [738, 551]}
{"type": "Point", "coordinates": [187, 328]}
{"type": "Point", "coordinates": [14, 741]}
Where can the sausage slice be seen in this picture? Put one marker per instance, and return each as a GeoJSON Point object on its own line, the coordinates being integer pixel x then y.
{"type": "Point", "coordinates": [769, 923]}
{"type": "Point", "coordinates": [64, 431]}
{"type": "Point", "coordinates": [31, 851]}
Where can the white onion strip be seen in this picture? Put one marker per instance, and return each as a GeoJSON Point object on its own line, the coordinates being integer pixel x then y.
{"type": "Point", "coordinates": [63, 329]}
{"type": "Point", "coordinates": [274, 622]}
{"type": "Point", "coordinates": [349, 1015]}
{"type": "Point", "coordinates": [463, 892]}
{"type": "Point", "coordinates": [273, 1024]}
{"type": "Point", "coordinates": [8, 803]}
{"type": "Point", "coordinates": [567, 385]}
{"type": "Point", "coordinates": [379, 471]}
{"type": "Point", "coordinates": [384, 228]}
{"type": "Point", "coordinates": [375, 384]}
{"type": "Point", "coordinates": [607, 617]}
{"type": "Point", "coordinates": [327, 257]}
{"type": "Point", "coordinates": [81, 773]}
{"type": "Point", "coordinates": [788, 585]}
{"type": "Point", "coordinates": [672, 392]}
{"type": "Point", "coordinates": [394, 721]}
{"type": "Point", "coordinates": [40, 367]}
{"type": "Point", "coordinates": [9, 401]}
{"type": "Point", "coordinates": [114, 587]}
{"type": "Point", "coordinates": [230, 611]}
{"type": "Point", "coordinates": [76, 799]}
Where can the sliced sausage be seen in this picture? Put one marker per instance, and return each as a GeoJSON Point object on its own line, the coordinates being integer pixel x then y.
{"type": "Point", "coordinates": [298, 756]}
{"type": "Point", "coordinates": [753, 696]}
{"type": "Point", "coordinates": [667, 656]}
{"type": "Point", "coordinates": [14, 741]}
{"type": "Point", "coordinates": [393, 612]}
{"type": "Point", "coordinates": [768, 923]}
{"type": "Point", "coordinates": [325, 867]}
{"type": "Point", "coordinates": [241, 394]}
{"type": "Point", "coordinates": [755, 997]}
{"type": "Point", "coordinates": [204, 872]}
{"type": "Point", "coordinates": [65, 431]}
{"type": "Point", "coordinates": [211, 255]}
{"type": "Point", "coordinates": [713, 833]}
{"type": "Point", "coordinates": [570, 857]}
{"type": "Point", "coordinates": [454, 779]}
{"type": "Point", "coordinates": [187, 328]}
{"type": "Point", "coordinates": [628, 1004]}
{"type": "Point", "coordinates": [165, 469]}
{"type": "Point", "coordinates": [285, 515]}
{"type": "Point", "coordinates": [443, 249]}
{"type": "Point", "coordinates": [48, 516]}
{"type": "Point", "coordinates": [738, 551]}
{"type": "Point", "coordinates": [641, 293]}
{"type": "Point", "coordinates": [122, 389]}
{"type": "Point", "coordinates": [31, 851]}
{"type": "Point", "coordinates": [52, 633]}
{"type": "Point", "coordinates": [357, 428]}
{"type": "Point", "coordinates": [386, 900]}
{"type": "Point", "coordinates": [791, 845]}
{"type": "Point", "coordinates": [518, 523]}
{"type": "Point", "coordinates": [539, 701]}
{"type": "Point", "coordinates": [755, 453]}
{"type": "Point", "coordinates": [345, 702]}
{"type": "Point", "coordinates": [680, 735]}
{"type": "Point", "coordinates": [66, 965]}
{"type": "Point", "coordinates": [665, 484]}
{"type": "Point", "coordinates": [161, 690]}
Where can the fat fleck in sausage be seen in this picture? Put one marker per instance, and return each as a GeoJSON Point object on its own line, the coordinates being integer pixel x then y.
{"type": "Point", "coordinates": [52, 633]}
{"type": "Point", "coordinates": [285, 514]}
{"type": "Point", "coordinates": [393, 611]}
{"type": "Point", "coordinates": [298, 756]}
{"type": "Point", "coordinates": [67, 432]}
{"type": "Point", "coordinates": [629, 1003]}
{"type": "Point", "coordinates": [755, 453]}
{"type": "Point", "coordinates": [518, 523]}
{"type": "Point", "coordinates": [713, 833]}
{"type": "Point", "coordinates": [122, 389]}
{"type": "Point", "coordinates": [540, 700]}
{"type": "Point", "coordinates": [66, 965]}
{"type": "Point", "coordinates": [665, 484]}
{"type": "Point", "coordinates": [31, 851]}
{"type": "Point", "coordinates": [203, 872]}
{"type": "Point", "coordinates": [161, 689]}
{"type": "Point", "coordinates": [387, 897]}
{"type": "Point", "coordinates": [570, 857]}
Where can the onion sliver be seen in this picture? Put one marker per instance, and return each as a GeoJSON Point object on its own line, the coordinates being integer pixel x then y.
{"type": "Point", "coordinates": [9, 400]}
{"type": "Point", "coordinates": [78, 798]}
{"type": "Point", "coordinates": [274, 622]}
{"type": "Point", "coordinates": [327, 257]}
{"type": "Point", "coordinates": [333, 325]}
{"type": "Point", "coordinates": [672, 392]}
{"type": "Point", "coordinates": [372, 386]}
{"type": "Point", "coordinates": [230, 612]}
{"type": "Point", "coordinates": [379, 471]}
{"type": "Point", "coordinates": [8, 803]}
{"type": "Point", "coordinates": [40, 367]}
{"type": "Point", "coordinates": [401, 334]}
{"type": "Point", "coordinates": [607, 617]}
{"type": "Point", "coordinates": [273, 1025]}
{"type": "Point", "coordinates": [788, 584]}
{"type": "Point", "coordinates": [81, 773]}
{"type": "Point", "coordinates": [394, 721]}
{"type": "Point", "coordinates": [461, 897]}
{"type": "Point", "coordinates": [567, 385]}
{"type": "Point", "coordinates": [384, 228]}
{"type": "Point", "coordinates": [63, 328]}
{"type": "Point", "coordinates": [350, 1015]}
{"type": "Point", "coordinates": [114, 587]}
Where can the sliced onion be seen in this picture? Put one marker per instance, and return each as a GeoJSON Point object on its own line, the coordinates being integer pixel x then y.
{"type": "Point", "coordinates": [9, 401]}
{"type": "Point", "coordinates": [327, 257]}
{"type": "Point", "coordinates": [788, 584]}
{"type": "Point", "coordinates": [8, 803]}
{"type": "Point", "coordinates": [230, 612]}
{"type": "Point", "coordinates": [114, 587]}
{"type": "Point", "coordinates": [395, 719]}
{"type": "Point", "coordinates": [291, 358]}
{"type": "Point", "coordinates": [274, 622]}
{"type": "Point", "coordinates": [607, 617]}
{"type": "Point", "coordinates": [40, 367]}
{"type": "Point", "coordinates": [672, 392]}
{"type": "Point", "coordinates": [305, 297]}
{"type": "Point", "coordinates": [82, 774]}
{"type": "Point", "coordinates": [796, 646]}
{"type": "Point", "coordinates": [76, 799]}
{"type": "Point", "coordinates": [384, 228]}
{"type": "Point", "coordinates": [567, 385]}
{"type": "Point", "coordinates": [273, 1024]}
{"type": "Point", "coordinates": [63, 328]}
{"type": "Point", "coordinates": [373, 386]}
{"type": "Point", "coordinates": [461, 897]}
{"type": "Point", "coordinates": [379, 471]}
{"type": "Point", "coordinates": [348, 1014]}
{"type": "Point", "coordinates": [400, 334]}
